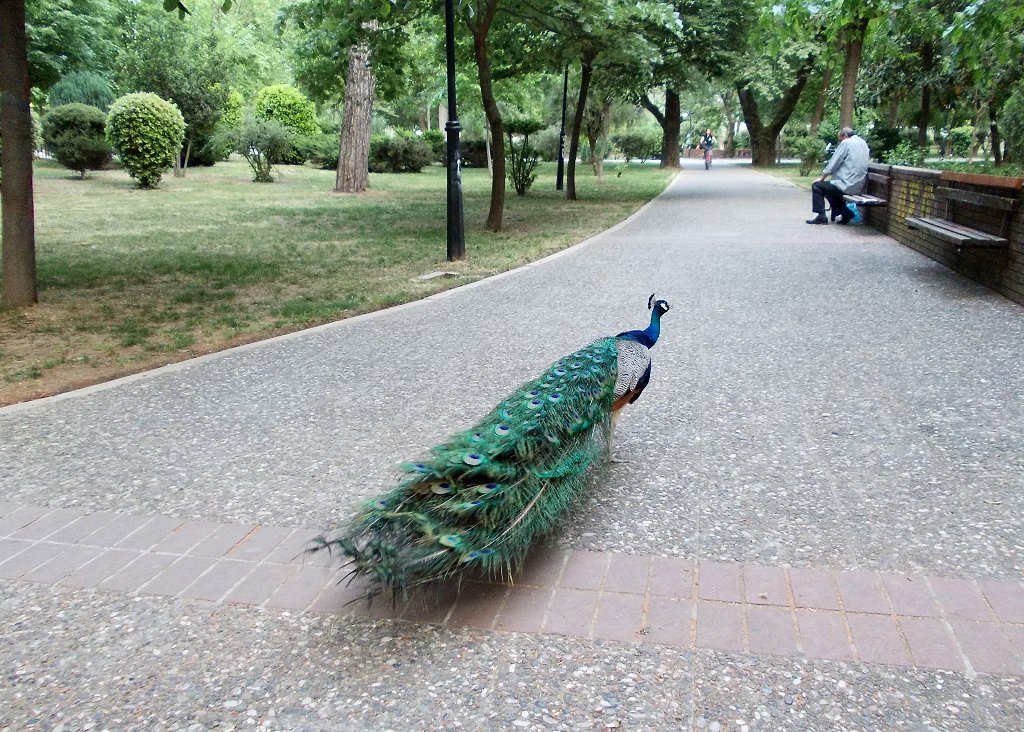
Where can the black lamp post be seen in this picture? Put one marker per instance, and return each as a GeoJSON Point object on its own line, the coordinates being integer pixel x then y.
{"type": "Point", "coordinates": [561, 133]}
{"type": "Point", "coordinates": [456, 222]}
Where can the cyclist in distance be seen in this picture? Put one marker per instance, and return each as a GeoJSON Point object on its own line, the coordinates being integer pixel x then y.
{"type": "Point", "coordinates": [707, 144]}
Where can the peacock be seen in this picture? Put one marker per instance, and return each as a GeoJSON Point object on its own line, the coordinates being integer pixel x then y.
{"type": "Point", "coordinates": [482, 497]}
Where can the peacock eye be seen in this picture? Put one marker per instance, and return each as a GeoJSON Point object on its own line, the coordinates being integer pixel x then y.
{"type": "Point", "coordinates": [473, 458]}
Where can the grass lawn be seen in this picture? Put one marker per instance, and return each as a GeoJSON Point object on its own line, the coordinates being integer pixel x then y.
{"type": "Point", "coordinates": [131, 279]}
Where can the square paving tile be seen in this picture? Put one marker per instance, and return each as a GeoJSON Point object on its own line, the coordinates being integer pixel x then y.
{"type": "Point", "coordinates": [671, 577]}
{"type": "Point", "coordinates": [669, 622]}
{"type": "Point", "coordinates": [10, 547]}
{"type": "Point", "coordinates": [47, 524]}
{"type": "Point", "coordinates": [478, 604]}
{"type": "Point", "coordinates": [961, 599]}
{"type": "Point", "coordinates": [301, 588]}
{"type": "Point", "coordinates": [264, 581]}
{"type": "Point", "coordinates": [85, 525]}
{"type": "Point", "coordinates": [862, 592]}
{"type": "Point", "coordinates": [259, 543]}
{"type": "Point", "coordinates": [765, 585]}
{"type": "Point", "coordinates": [720, 626]}
{"type": "Point", "coordinates": [20, 517]}
{"type": "Point", "coordinates": [1006, 598]}
{"type": "Point", "coordinates": [64, 563]}
{"type": "Point", "coordinates": [138, 572]}
{"type": "Point", "coordinates": [987, 647]}
{"type": "Point", "coordinates": [719, 581]}
{"type": "Point", "coordinates": [877, 639]}
{"type": "Point", "coordinates": [185, 536]}
{"type": "Point", "coordinates": [177, 576]}
{"type": "Point", "coordinates": [151, 532]}
{"type": "Point", "coordinates": [910, 595]}
{"type": "Point", "coordinates": [823, 635]}
{"type": "Point", "coordinates": [770, 630]}
{"type": "Point", "coordinates": [221, 540]}
{"type": "Point", "coordinates": [119, 527]}
{"type": "Point", "coordinates": [571, 612]}
{"type": "Point", "coordinates": [627, 573]}
{"type": "Point", "coordinates": [584, 570]}
{"type": "Point", "coordinates": [524, 609]}
{"type": "Point", "coordinates": [542, 568]}
{"type": "Point", "coordinates": [931, 644]}
{"type": "Point", "coordinates": [103, 566]}
{"type": "Point", "coordinates": [293, 549]}
{"type": "Point", "coordinates": [28, 559]}
{"type": "Point", "coordinates": [619, 617]}
{"type": "Point", "coordinates": [220, 578]}
{"type": "Point", "coordinates": [813, 588]}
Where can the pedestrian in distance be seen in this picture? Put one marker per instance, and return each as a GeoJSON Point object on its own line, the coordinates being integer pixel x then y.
{"type": "Point", "coordinates": [848, 168]}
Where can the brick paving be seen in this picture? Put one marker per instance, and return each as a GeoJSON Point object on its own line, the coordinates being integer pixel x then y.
{"type": "Point", "coordinates": [906, 620]}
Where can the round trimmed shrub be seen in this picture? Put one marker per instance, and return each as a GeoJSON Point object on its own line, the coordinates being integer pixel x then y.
{"type": "Point", "coordinates": [287, 106]}
{"type": "Point", "coordinates": [75, 135]}
{"type": "Point", "coordinates": [233, 111]}
{"type": "Point", "coordinates": [37, 132]}
{"type": "Point", "coordinates": [146, 132]}
{"type": "Point", "coordinates": [84, 87]}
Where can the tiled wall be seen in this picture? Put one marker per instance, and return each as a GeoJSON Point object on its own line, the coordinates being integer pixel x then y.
{"type": "Point", "coordinates": [911, 193]}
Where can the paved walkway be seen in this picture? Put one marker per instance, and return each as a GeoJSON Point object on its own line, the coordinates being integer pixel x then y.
{"type": "Point", "coordinates": [818, 529]}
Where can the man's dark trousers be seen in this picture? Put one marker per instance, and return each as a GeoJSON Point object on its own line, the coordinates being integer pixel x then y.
{"type": "Point", "coordinates": [820, 190]}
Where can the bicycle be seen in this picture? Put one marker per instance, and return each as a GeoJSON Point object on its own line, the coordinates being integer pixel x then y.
{"type": "Point", "coordinates": [707, 159]}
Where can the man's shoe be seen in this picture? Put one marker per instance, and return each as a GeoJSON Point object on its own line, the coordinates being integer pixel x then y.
{"type": "Point", "coordinates": [821, 219]}
{"type": "Point", "coordinates": [845, 219]}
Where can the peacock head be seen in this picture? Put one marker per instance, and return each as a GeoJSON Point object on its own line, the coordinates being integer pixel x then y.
{"type": "Point", "coordinates": [659, 307]}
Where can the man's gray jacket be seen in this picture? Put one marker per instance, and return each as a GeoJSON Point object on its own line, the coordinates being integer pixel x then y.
{"type": "Point", "coordinates": [849, 165]}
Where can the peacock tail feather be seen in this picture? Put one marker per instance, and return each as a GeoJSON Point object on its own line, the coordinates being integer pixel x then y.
{"type": "Point", "coordinates": [483, 496]}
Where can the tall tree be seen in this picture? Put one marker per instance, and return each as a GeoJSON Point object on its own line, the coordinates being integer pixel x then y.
{"type": "Point", "coordinates": [19, 248]}
{"type": "Point", "coordinates": [354, 143]}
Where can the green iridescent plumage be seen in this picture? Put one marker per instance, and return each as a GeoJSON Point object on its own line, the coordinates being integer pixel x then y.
{"type": "Point", "coordinates": [483, 496]}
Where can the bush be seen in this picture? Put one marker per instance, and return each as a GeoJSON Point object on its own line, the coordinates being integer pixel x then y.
{"type": "Point", "coordinates": [638, 146]}
{"type": "Point", "coordinates": [905, 153]}
{"type": "Point", "coordinates": [960, 141]}
{"type": "Point", "coordinates": [882, 140]}
{"type": "Point", "coordinates": [289, 107]}
{"type": "Point", "coordinates": [811, 151]}
{"type": "Point", "coordinates": [82, 87]}
{"type": "Point", "coordinates": [324, 151]}
{"type": "Point", "coordinates": [233, 113]}
{"type": "Point", "coordinates": [403, 154]}
{"type": "Point", "coordinates": [146, 132]}
{"type": "Point", "coordinates": [545, 143]}
{"type": "Point", "coordinates": [1011, 124]}
{"type": "Point", "coordinates": [435, 138]}
{"type": "Point", "coordinates": [260, 141]}
{"type": "Point", "coordinates": [474, 153]}
{"type": "Point", "coordinates": [75, 135]}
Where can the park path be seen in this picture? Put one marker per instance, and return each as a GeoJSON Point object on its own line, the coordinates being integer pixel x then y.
{"type": "Point", "coordinates": [822, 499]}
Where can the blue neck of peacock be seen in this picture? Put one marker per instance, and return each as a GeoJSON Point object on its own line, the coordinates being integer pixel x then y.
{"type": "Point", "coordinates": [651, 333]}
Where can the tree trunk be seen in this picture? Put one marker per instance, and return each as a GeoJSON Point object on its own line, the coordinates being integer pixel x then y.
{"type": "Point", "coordinates": [479, 26]}
{"type": "Point", "coordinates": [19, 246]}
{"type": "Point", "coordinates": [925, 112]}
{"type": "Point", "coordinates": [854, 46]}
{"type": "Point", "coordinates": [729, 144]}
{"type": "Point", "coordinates": [577, 124]}
{"type": "Point", "coordinates": [763, 137]}
{"type": "Point", "coordinates": [819, 104]}
{"type": "Point", "coordinates": [354, 141]}
{"type": "Point", "coordinates": [993, 131]}
{"type": "Point", "coordinates": [669, 123]}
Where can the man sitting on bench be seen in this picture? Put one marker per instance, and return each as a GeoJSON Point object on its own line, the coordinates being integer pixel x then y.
{"type": "Point", "coordinates": [849, 169]}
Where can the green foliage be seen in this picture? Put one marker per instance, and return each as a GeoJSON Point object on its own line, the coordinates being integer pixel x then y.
{"type": "Point", "coordinates": [146, 132]}
{"type": "Point", "coordinates": [811, 151]}
{"type": "Point", "coordinates": [324, 151]}
{"type": "Point", "coordinates": [1011, 124]}
{"type": "Point", "coordinates": [233, 112]}
{"type": "Point", "coordinates": [405, 153]}
{"type": "Point", "coordinates": [84, 87]}
{"type": "Point", "coordinates": [638, 145]}
{"type": "Point", "coordinates": [545, 143]}
{"type": "Point", "coordinates": [960, 141]}
{"type": "Point", "coordinates": [882, 140]}
{"type": "Point", "coordinates": [289, 107]}
{"type": "Point", "coordinates": [905, 153]}
{"type": "Point", "coordinates": [522, 164]}
{"type": "Point", "coordinates": [65, 35]}
{"type": "Point", "coordinates": [260, 141]}
{"type": "Point", "coordinates": [37, 132]}
{"type": "Point", "coordinates": [74, 134]}
{"type": "Point", "coordinates": [435, 138]}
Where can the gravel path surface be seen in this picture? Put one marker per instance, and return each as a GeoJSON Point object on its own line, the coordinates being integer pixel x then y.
{"type": "Point", "coordinates": [821, 396]}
